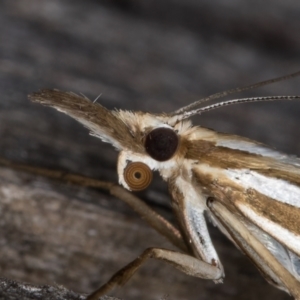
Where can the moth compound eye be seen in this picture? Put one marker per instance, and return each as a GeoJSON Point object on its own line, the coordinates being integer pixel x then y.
{"type": "Point", "coordinates": [138, 176]}
{"type": "Point", "coordinates": [161, 143]}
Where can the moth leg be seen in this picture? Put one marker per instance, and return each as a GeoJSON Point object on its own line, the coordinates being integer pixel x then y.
{"type": "Point", "coordinates": [185, 263]}
{"type": "Point", "coordinates": [155, 220]}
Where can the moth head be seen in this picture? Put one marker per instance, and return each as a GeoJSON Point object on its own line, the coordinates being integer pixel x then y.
{"type": "Point", "coordinates": [160, 144]}
{"type": "Point", "coordinates": [146, 141]}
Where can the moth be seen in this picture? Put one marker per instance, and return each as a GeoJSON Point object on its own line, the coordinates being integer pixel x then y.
{"type": "Point", "coordinates": [248, 190]}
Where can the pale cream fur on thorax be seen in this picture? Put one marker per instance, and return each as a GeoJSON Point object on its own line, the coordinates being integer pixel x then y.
{"type": "Point", "coordinates": [140, 121]}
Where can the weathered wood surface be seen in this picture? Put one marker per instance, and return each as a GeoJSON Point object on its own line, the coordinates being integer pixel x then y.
{"type": "Point", "coordinates": [10, 289]}
{"type": "Point", "coordinates": [156, 56]}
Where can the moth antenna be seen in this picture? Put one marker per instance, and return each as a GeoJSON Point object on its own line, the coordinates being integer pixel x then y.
{"type": "Point", "coordinates": [232, 91]}
{"type": "Point", "coordinates": [191, 113]}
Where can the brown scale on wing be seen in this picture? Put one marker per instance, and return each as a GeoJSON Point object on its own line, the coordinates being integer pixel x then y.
{"type": "Point", "coordinates": [226, 158]}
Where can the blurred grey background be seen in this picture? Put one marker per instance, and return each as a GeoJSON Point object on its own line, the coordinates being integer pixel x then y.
{"type": "Point", "coordinates": [139, 55]}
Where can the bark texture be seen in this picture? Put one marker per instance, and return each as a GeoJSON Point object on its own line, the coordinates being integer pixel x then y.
{"type": "Point", "coordinates": [10, 289]}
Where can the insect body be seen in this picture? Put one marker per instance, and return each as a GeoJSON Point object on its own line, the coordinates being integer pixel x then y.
{"type": "Point", "coordinates": [251, 192]}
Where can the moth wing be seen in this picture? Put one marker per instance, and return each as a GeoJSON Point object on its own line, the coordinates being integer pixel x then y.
{"type": "Point", "coordinates": [234, 142]}
{"type": "Point", "coordinates": [256, 244]}
{"type": "Point", "coordinates": [267, 205]}
{"type": "Point", "coordinates": [262, 187]}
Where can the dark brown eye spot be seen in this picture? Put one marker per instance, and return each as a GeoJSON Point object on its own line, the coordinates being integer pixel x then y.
{"type": "Point", "coordinates": [161, 143]}
{"type": "Point", "coordinates": [138, 176]}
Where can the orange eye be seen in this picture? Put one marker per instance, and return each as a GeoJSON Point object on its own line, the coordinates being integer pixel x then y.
{"type": "Point", "coordinates": [138, 176]}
